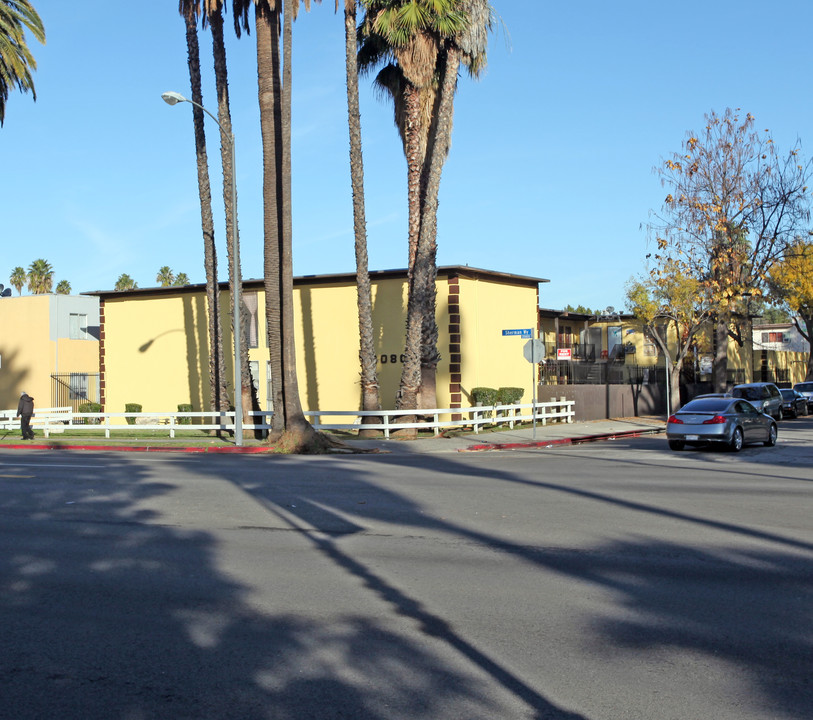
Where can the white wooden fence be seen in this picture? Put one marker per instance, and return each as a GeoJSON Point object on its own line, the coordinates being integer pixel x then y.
{"type": "Point", "coordinates": [57, 420]}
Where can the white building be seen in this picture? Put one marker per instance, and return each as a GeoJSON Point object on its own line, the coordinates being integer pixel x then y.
{"type": "Point", "coordinates": [779, 336]}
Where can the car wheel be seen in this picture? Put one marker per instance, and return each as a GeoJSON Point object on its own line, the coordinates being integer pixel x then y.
{"type": "Point", "coordinates": [777, 415]}
{"type": "Point", "coordinates": [771, 441]}
{"type": "Point", "coordinates": [676, 444]}
{"type": "Point", "coordinates": [736, 440]}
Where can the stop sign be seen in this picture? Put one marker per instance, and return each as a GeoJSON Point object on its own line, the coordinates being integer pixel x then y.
{"type": "Point", "coordinates": [534, 351]}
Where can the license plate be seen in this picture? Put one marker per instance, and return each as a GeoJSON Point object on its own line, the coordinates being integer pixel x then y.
{"type": "Point", "coordinates": [692, 437]}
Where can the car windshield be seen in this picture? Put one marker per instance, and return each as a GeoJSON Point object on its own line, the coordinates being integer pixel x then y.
{"type": "Point", "coordinates": [749, 393]}
{"type": "Point", "coordinates": [804, 387]}
{"type": "Point", "coordinates": [787, 394]}
{"type": "Point", "coordinates": [703, 405]}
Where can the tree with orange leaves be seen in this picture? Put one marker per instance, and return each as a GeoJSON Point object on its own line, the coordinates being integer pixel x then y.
{"type": "Point", "coordinates": [735, 204]}
{"type": "Point", "coordinates": [791, 283]}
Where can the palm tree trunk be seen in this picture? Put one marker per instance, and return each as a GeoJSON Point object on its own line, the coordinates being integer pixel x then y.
{"type": "Point", "coordinates": [235, 273]}
{"type": "Point", "coordinates": [217, 373]}
{"type": "Point", "coordinates": [427, 242]}
{"type": "Point", "coordinates": [298, 428]}
{"type": "Point", "coordinates": [407, 398]}
{"type": "Point", "coordinates": [370, 399]}
{"type": "Point", "coordinates": [415, 159]}
{"type": "Point", "coordinates": [269, 91]}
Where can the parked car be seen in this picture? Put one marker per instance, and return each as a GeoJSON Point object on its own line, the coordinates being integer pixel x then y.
{"type": "Point", "coordinates": [793, 402]}
{"type": "Point", "coordinates": [764, 396]}
{"type": "Point", "coordinates": [806, 388]}
{"type": "Point", "coordinates": [732, 422]}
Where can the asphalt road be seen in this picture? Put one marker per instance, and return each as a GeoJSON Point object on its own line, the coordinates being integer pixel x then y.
{"type": "Point", "coordinates": [610, 581]}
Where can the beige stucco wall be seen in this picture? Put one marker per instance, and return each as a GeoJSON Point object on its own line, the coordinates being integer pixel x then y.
{"type": "Point", "coordinates": [490, 359]}
{"type": "Point", "coordinates": [327, 343]}
{"type": "Point", "coordinates": [156, 347]}
{"type": "Point", "coordinates": [31, 349]}
{"type": "Point", "coordinates": [25, 350]}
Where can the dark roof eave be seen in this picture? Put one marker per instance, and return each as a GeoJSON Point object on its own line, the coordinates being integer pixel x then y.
{"type": "Point", "coordinates": [445, 270]}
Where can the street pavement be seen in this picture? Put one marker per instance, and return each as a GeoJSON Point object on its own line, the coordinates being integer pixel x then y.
{"type": "Point", "coordinates": [612, 580]}
{"type": "Point", "coordinates": [542, 436]}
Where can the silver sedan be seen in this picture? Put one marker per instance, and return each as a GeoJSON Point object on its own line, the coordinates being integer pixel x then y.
{"type": "Point", "coordinates": [732, 422]}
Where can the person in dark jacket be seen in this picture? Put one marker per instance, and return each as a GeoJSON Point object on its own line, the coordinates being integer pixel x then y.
{"type": "Point", "coordinates": [25, 409]}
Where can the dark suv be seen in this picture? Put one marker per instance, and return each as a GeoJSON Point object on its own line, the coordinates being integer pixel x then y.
{"type": "Point", "coordinates": [764, 396]}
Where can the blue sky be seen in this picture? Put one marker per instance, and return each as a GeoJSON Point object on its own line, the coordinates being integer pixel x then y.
{"type": "Point", "coordinates": [550, 172]}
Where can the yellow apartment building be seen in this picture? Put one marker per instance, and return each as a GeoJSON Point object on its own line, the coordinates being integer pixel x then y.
{"type": "Point", "coordinates": [49, 347]}
{"type": "Point", "coordinates": [154, 346]}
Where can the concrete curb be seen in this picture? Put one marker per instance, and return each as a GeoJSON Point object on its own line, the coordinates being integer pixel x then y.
{"type": "Point", "coordinates": [561, 441]}
{"type": "Point", "coordinates": [256, 450]}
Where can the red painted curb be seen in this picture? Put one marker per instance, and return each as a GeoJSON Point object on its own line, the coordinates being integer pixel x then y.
{"type": "Point", "coordinates": [561, 441]}
{"type": "Point", "coordinates": [144, 448]}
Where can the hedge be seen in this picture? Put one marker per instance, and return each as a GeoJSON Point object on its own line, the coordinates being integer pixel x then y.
{"type": "Point", "coordinates": [132, 408]}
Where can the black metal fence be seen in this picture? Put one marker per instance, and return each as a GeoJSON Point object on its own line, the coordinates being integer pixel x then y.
{"type": "Point", "coordinates": [74, 389]}
{"type": "Point", "coordinates": [555, 372]}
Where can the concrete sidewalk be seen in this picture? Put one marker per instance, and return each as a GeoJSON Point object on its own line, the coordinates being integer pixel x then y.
{"type": "Point", "coordinates": [454, 441]}
{"type": "Point", "coordinates": [544, 436]}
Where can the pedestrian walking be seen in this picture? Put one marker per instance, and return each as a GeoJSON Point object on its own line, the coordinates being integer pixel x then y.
{"type": "Point", "coordinates": [25, 409]}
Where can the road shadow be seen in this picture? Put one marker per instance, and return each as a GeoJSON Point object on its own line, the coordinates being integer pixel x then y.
{"type": "Point", "coordinates": [110, 608]}
{"type": "Point", "coordinates": [748, 609]}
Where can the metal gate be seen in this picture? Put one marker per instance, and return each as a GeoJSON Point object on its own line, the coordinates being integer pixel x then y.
{"type": "Point", "coordinates": [74, 389]}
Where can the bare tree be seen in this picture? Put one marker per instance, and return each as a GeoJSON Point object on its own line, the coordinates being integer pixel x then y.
{"type": "Point", "coordinates": [734, 205]}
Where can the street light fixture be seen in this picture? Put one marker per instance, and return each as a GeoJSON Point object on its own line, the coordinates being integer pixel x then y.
{"type": "Point", "coordinates": [173, 98]}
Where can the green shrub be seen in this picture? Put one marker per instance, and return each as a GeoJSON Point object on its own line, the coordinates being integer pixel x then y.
{"type": "Point", "coordinates": [509, 395]}
{"type": "Point", "coordinates": [484, 395]}
{"type": "Point", "coordinates": [184, 408]}
{"type": "Point", "coordinates": [90, 407]}
{"type": "Point", "coordinates": [132, 408]}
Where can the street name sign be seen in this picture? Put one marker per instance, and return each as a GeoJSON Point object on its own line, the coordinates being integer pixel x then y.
{"type": "Point", "coordinates": [521, 332]}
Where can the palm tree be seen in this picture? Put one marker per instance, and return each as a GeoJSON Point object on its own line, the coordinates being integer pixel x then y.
{"type": "Point", "coordinates": [423, 42]}
{"type": "Point", "coordinates": [467, 45]}
{"type": "Point", "coordinates": [125, 282]}
{"type": "Point", "coordinates": [165, 276]}
{"type": "Point", "coordinates": [16, 60]}
{"type": "Point", "coordinates": [181, 279]}
{"type": "Point", "coordinates": [40, 277]}
{"type": "Point", "coordinates": [18, 279]}
{"type": "Point", "coordinates": [63, 287]}
{"type": "Point", "coordinates": [213, 17]}
{"type": "Point", "coordinates": [297, 427]}
{"type": "Point", "coordinates": [269, 91]}
{"type": "Point", "coordinates": [275, 121]}
{"type": "Point", "coordinates": [190, 9]}
{"type": "Point", "coordinates": [370, 398]}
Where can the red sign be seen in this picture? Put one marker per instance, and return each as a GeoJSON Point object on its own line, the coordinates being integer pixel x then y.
{"type": "Point", "coordinates": [564, 354]}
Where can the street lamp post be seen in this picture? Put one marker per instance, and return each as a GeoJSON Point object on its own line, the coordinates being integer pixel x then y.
{"type": "Point", "coordinates": [173, 98]}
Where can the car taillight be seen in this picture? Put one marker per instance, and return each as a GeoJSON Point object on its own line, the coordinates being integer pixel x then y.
{"type": "Point", "coordinates": [675, 419]}
{"type": "Point", "coordinates": [716, 420]}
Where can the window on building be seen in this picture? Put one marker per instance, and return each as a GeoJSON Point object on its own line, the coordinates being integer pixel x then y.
{"type": "Point", "coordinates": [565, 336]}
{"type": "Point", "coordinates": [269, 389]}
{"type": "Point", "coordinates": [78, 386]}
{"type": "Point", "coordinates": [774, 337]}
{"type": "Point", "coordinates": [614, 345]}
{"type": "Point", "coordinates": [250, 303]}
{"type": "Point", "coordinates": [78, 326]}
